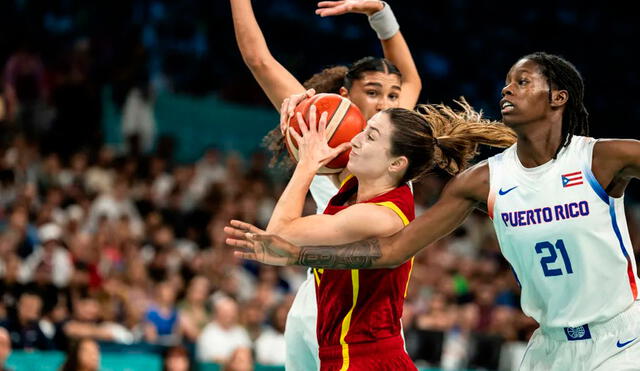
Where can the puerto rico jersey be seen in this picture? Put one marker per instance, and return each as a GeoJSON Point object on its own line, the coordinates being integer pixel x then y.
{"type": "Point", "coordinates": [362, 306]}
{"type": "Point", "coordinates": [565, 238]}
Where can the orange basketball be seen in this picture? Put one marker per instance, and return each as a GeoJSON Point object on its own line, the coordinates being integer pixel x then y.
{"type": "Point", "coordinates": [344, 121]}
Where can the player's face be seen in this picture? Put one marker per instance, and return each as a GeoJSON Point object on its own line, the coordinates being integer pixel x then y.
{"type": "Point", "coordinates": [525, 97]}
{"type": "Point", "coordinates": [370, 151]}
{"type": "Point", "coordinates": [374, 92]}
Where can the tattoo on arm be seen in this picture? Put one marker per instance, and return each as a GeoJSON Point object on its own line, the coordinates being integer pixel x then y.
{"type": "Point", "coordinates": [356, 255]}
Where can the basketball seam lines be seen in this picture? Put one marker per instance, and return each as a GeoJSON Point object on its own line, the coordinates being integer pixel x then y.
{"type": "Point", "coordinates": [332, 126]}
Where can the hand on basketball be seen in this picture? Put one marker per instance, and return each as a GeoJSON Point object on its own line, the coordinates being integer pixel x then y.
{"type": "Point", "coordinates": [329, 8]}
{"type": "Point", "coordinates": [253, 243]}
{"type": "Point", "coordinates": [289, 104]}
{"type": "Point", "coordinates": [313, 148]}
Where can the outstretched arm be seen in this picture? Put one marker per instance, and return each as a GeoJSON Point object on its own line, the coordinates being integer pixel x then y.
{"type": "Point", "coordinates": [615, 163]}
{"type": "Point", "coordinates": [394, 46]}
{"type": "Point", "coordinates": [463, 193]}
{"type": "Point", "coordinates": [453, 207]}
{"type": "Point", "coordinates": [274, 79]}
{"type": "Point", "coordinates": [397, 51]}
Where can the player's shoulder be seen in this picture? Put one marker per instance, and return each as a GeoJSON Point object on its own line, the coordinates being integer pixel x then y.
{"type": "Point", "coordinates": [615, 155]}
{"type": "Point", "coordinates": [472, 183]}
{"type": "Point", "coordinates": [616, 148]}
{"type": "Point", "coordinates": [476, 174]}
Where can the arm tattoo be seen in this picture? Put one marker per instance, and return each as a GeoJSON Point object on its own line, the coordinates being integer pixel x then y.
{"type": "Point", "coordinates": [356, 255]}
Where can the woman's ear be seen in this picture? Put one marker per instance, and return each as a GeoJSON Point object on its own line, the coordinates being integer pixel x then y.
{"type": "Point", "coordinates": [399, 164]}
{"type": "Point", "coordinates": [559, 98]}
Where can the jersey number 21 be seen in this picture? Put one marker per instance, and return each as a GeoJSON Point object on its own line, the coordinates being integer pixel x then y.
{"type": "Point", "coordinates": [551, 256]}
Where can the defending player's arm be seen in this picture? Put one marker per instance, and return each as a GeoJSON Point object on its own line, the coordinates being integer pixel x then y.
{"type": "Point", "coordinates": [397, 51]}
{"type": "Point", "coordinates": [274, 79]}
{"type": "Point", "coordinates": [615, 163]}
{"type": "Point", "coordinates": [463, 193]}
{"type": "Point", "coordinates": [457, 201]}
{"type": "Point", "coordinates": [394, 46]}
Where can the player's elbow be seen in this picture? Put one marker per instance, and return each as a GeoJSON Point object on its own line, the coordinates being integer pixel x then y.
{"type": "Point", "coordinates": [413, 84]}
{"type": "Point", "coordinates": [418, 83]}
{"type": "Point", "coordinates": [391, 256]}
{"type": "Point", "coordinates": [256, 62]}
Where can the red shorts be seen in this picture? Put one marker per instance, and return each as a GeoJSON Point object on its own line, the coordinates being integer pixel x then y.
{"type": "Point", "coordinates": [383, 355]}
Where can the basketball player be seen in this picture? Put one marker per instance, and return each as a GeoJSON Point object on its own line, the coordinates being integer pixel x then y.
{"type": "Point", "coordinates": [359, 312]}
{"type": "Point", "coordinates": [373, 84]}
{"type": "Point", "coordinates": [556, 200]}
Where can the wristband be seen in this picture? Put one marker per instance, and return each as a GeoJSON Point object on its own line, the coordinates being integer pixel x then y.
{"type": "Point", "coordinates": [384, 22]}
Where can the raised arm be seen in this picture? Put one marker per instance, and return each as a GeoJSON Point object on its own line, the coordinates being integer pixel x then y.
{"type": "Point", "coordinates": [615, 163]}
{"type": "Point", "coordinates": [314, 152]}
{"type": "Point", "coordinates": [397, 51]}
{"type": "Point", "coordinates": [394, 46]}
{"type": "Point", "coordinates": [274, 79]}
{"type": "Point", "coordinates": [464, 192]}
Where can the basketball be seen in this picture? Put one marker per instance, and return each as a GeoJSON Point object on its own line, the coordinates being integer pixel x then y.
{"type": "Point", "coordinates": [344, 121]}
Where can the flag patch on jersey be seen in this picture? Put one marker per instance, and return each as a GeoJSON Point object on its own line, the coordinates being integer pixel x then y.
{"type": "Point", "coordinates": [572, 179]}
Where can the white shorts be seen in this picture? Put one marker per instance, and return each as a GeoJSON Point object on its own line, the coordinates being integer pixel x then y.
{"type": "Point", "coordinates": [300, 331]}
{"type": "Point", "coordinates": [613, 345]}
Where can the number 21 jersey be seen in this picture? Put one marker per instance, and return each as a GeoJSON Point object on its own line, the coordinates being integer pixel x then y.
{"type": "Point", "coordinates": [566, 239]}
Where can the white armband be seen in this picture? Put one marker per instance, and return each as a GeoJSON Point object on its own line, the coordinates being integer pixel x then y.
{"type": "Point", "coordinates": [384, 22]}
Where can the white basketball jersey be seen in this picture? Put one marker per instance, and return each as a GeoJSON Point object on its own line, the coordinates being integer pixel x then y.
{"type": "Point", "coordinates": [322, 189]}
{"type": "Point", "coordinates": [565, 238]}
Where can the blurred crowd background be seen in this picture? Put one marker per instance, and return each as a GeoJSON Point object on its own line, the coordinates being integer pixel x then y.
{"type": "Point", "coordinates": [116, 241]}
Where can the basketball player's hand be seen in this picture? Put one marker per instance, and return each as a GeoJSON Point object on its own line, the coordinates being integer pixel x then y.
{"type": "Point", "coordinates": [313, 148]}
{"type": "Point", "coordinates": [253, 243]}
{"type": "Point", "coordinates": [289, 104]}
{"type": "Point", "coordinates": [329, 8]}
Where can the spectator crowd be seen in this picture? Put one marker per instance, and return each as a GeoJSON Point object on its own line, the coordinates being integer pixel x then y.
{"type": "Point", "coordinates": [104, 246]}
{"type": "Point", "coordinates": [131, 250]}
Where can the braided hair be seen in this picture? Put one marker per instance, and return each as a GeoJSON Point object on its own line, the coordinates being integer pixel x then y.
{"type": "Point", "coordinates": [563, 75]}
{"type": "Point", "coordinates": [438, 135]}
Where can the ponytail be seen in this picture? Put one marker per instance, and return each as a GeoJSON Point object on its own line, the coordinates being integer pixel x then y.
{"type": "Point", "coordinates": [437, 135]}
{"type": "Point", "coordinates": [458, 133]}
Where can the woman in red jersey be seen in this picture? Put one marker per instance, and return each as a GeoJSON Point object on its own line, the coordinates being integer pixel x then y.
{"type": "Point", "coordinates": [372, 84]}
{"type": "Point", "coordinates": [359, 311]}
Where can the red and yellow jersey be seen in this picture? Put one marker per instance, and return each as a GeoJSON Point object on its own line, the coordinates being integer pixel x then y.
{"type": "Point", "coordinates": [362, 306]}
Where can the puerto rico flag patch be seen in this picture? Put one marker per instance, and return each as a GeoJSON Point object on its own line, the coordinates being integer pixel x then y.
{"type": "Point", "coordinates": [572, 179]}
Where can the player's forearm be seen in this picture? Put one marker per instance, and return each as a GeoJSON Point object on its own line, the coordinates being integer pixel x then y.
{"type": "Point", "coordinates": [249, 37]}
{"type": "Point", "coordinates": [397, 51]}
{"type": "Point", "coordinates": [372, 253]}
{"type": "Point", "coordinates": [355, 255]}
{"type": "Point", "coordinates": [274, 79]}
{"type": "Point", "coordinates": [435, 223]}
{"type": "Point", "coordinates": [291, 203]}
{"type": "Point", "coordinates": [366, 254]}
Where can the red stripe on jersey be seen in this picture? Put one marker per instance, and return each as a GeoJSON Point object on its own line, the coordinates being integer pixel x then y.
{"type": "Point", "coordinates": [632, 279]}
